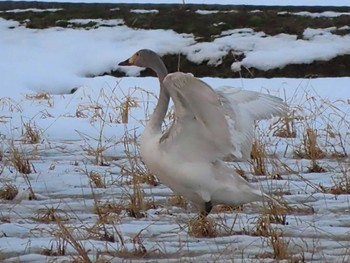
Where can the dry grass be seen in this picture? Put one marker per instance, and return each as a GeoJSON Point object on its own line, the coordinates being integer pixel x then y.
{"type": "Point", "coordinates": [274, 237]}
{"type": "Point", "coordinates": [322, 124]}
{"type": "Point", "coordinates": [96, 147]}
{"type": "Point", "coordinates": [99, 232]}
{"type": "Point", "coordinates": [5, 219]}
{"type": "Point", "coordinates": [310, 149]}
{"type": "Point", "coordinates": [129, 102]}
{"type": "Point", "coordinates": [279, 245]}
{"type": "Point", "coordinates": [108, 208]}
{"type": "Point", "coordinates": [19, 161]}
{"type": "Point", "coordinates": [30, 134]}
{"type": "Point", "coordinates": [56, 249]}
{"type": "Point", "coordinates": [341, 183]}
{"type": "Point", "coordinates": [226, 209]}
{"type": "Point", "coordinates": [137, 206]}
{"type": "Point", "coordinates": [177, 200]}
{"type": "Point", "coordinates": [50, 214]}
{"type": "Point", "coordinates": [102, 111]}
{"type": "Point", "coordinates": [286, 127]}
{"type": "Point", "coordinates": [136, 174]}
{"type": "Point", "coordinates": [276, 213]}
{"type": "Point", "coordinates": [96, 179]}
{"type": "Point", "coordinates": [138, 251]}
{"type": "Point", "coordinates": [134, 168]}
{"type": "Point", "coordinates": [8, 191]}
{"type": "Point", "coordinates": [258, 157]}
{"type": "Point", "coordinates": [202, 227]}
{"type": "Point", "coordinates": [67, 236]}
{"type": "Point", "coordinates": [272, 213]}
{"type": "Point", "coordinates": [38, 96]}
{"type": "Point", "coordinates": [108, 213]}
{"type": "Point", "coordinates": [263, 226]}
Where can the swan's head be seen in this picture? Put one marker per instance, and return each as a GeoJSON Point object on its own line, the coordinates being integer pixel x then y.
{"type": "Point", "coordinates": [144, 58]}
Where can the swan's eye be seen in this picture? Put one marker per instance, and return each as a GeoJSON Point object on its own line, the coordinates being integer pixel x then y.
{"type": "Point", "coordinates": [137, 54]}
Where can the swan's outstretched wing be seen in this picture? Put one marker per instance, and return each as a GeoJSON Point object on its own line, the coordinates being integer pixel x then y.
{"type": "Point", "coordinates": [242, 108]}
{"type": "Point", "coordinates": [200, 130]}
{"type": "Point", "coordinates": [215, 124]}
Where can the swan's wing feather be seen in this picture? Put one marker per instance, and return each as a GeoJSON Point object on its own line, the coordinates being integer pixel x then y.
{"type": "Point", "coordinates": [200, 123]}
{"type": "Point", "coordinates": [258, 105]}
{"type": "Point", "coordinates": [242, 108]}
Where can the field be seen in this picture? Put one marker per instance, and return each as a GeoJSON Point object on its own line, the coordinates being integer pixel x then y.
{"type": "Point", "coordinates": [72, 185]}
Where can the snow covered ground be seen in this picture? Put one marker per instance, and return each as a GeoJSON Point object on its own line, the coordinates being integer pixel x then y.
{"type": "Point", "coordinates": [82, 150]}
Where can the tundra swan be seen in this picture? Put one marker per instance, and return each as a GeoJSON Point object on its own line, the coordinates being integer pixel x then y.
{"type": "Point", "coordinates": [208, 126]}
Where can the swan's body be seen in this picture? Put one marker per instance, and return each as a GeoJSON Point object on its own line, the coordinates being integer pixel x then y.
{"type": "Point", "coordinates": [208, 127]}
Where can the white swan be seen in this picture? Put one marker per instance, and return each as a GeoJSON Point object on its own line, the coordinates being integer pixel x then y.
{"type": "Point", "coordinates": [208, 126]}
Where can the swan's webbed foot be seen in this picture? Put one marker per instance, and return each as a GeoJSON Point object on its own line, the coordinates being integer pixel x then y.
{"type": "Point", "coordinates": [207, 208]}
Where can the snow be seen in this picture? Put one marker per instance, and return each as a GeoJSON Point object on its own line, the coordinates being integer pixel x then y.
{"type": "Point", "coordinates": [207, 12]}
{"type": "Point", "coordinates": [96, 22]}
{"type": "Point", "coordinates": [144, 11]}
{"type": "Point", "coordinates": [329, 14]}
{"type": "Point", "coordinates": [39, 68]}
{"type": "Point", "coordinates": [210, 12]}
{"type": "Point", "coordinates": [29, 51]}
{"type": "Point", "coordinates": [34, 10]}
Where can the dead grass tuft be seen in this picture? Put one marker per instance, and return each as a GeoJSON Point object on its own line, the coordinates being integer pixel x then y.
{"type": "Point", "coordinates": [316, 168]}
{"type": "Point", "coordinates": [5, 219]}
{"type": "Point", "coordinates": [310, 149]}
{"type": "Point", "coordinates": [276, 214]}
{"type": "Point", "coordinates": [177, 200]}
{"type": "Point", "coordinates": [19, 161]}
{"type": "Point", "coordinates": [129, 102]}
{"type": "Point", "coordinates": [139, 174]}
{"type": "Point", "coordinates": [137, 206]}
{"type": "Point", "coordinates": [202, 227]}
{"type": "Point", "coordinates": [30, 135]}
{"type": "Point", "coordinates": [263, 226]}
{"type": "Point", "coordinates": [138, 251]}
{"type": "Point", "coordinates": [258, 156]}
{"type": "Point", "coordinates": [8, 191]}
{"type": "Point", "coordinates": [341, 183]}
{"type": "Point", "coordinates": [272, 213]}
{"type": "Point", "coordinates": [96, 179]}
{"type": "Point", "coordinates": [38, 96]}
{"type": "Point", "coordinates": [287, 129]}
{"type": "Point", "coordinates": [226, 209]}
{"type": "Point", "coordinates": [279, 245]}
{"type": "Point", "coordinates": [55, 250]}
{"type": "Point", "coordinates": [50, 214]}
{"type": "Point", "coordinates": [99, 232]}
{"type": "Point", "coordinates": [108, 208]}
{"type": "Point", "coordinates": [274, 238]}
{"type": "Point", "coordinates": [67, 236]}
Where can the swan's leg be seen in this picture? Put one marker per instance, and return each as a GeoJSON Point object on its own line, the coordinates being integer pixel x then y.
{"type": "Point", "coordinates": [207, 208]}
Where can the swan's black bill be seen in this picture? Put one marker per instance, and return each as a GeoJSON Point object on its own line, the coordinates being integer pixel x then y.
{"type": "Point", "coordinates": [125, 63]}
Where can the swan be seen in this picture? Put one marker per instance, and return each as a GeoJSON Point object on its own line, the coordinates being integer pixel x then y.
{"type": "Point", "coordinates": [208, 126]}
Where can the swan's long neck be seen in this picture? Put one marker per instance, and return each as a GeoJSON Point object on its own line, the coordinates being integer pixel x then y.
{"type": "Point", "coordinates": [157, 118]}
